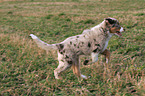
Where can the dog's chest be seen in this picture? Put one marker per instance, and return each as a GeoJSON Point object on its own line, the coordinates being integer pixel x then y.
{"type": "Point", "coordinates": [107, 40]}
{"type": "Point", "coordinates": [105, 45]}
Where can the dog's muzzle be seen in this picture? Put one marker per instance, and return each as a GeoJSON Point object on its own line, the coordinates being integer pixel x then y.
{"type": "Point", "coordinates": [118, 33]}
{"type": "Point", "coordinates": [122, 29]}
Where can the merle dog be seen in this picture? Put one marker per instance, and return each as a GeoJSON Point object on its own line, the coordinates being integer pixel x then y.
{"type": "Point", "coordinates": [92, 42]}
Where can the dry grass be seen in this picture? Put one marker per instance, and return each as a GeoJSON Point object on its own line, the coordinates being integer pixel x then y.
{"type": "Point", "coordinates": [26, 69]}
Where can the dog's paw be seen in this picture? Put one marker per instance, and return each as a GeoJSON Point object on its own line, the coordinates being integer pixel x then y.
{"type": "Point", "coordinates": [33, 36]}
{"type": "Point", "coordinates": [86, 62]}
{"type": "Point", "coordinates": [84, 77]}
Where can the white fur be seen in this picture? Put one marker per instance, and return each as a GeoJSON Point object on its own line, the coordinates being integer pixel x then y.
{"type": "Point", "coordinates": [42, 44]}
{"type": "Point", "coordinates": [83, 76]}
{"type": "Point", "coordinates": [107, 60]}
{"type": "Point", "coordinates": [33, 36]}
{"type": "Point", "coordinates": [121, 29]}
{"type": "Point", "coordinates": [98, 26]}
{"type": "Point", "coordinates": [107, 40]}
{"type": "Point", "coordinates": [94, 57]}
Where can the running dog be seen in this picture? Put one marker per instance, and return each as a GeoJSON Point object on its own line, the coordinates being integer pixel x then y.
{"type": "Point", "coordinates": [92, 42]}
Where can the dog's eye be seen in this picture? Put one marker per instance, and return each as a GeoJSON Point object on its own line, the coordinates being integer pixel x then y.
{"type": "Point", "coordinates": [118, 26]}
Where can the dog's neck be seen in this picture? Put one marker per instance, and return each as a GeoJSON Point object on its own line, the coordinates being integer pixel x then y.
{"type": "Point", "coordinates": [103, 28]}
{"type": "Point", "coordinates": [101, 25]}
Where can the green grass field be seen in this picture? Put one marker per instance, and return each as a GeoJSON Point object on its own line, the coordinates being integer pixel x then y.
{"type": "Point", "coordinates": [27, 70]}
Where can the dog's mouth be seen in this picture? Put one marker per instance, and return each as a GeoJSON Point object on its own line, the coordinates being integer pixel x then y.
{"type": "Point", "coordinates": [118, 33]}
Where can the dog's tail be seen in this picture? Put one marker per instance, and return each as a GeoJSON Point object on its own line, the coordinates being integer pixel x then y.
{"type": "Point", "coordinates": [42, 44]}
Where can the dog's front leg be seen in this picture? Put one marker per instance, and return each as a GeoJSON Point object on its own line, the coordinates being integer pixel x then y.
{"type": "Point", "coordinates": [94, 59]}
{"type": "Point", "coordinates": [106, 53]}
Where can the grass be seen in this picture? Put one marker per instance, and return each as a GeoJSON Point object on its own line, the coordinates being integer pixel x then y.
{"type": "Point", "coordinates": [27, 70]}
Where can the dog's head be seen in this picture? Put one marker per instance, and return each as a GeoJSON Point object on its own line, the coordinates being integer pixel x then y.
{"type": "Point", "coordinates": [114, 26]}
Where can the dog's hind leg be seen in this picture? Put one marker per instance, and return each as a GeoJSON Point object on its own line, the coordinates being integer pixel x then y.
{"type": "Point", "coordinates": [63, 65]}
{"type": "Point", "coordinates": [76, 69]}
{"type": "Point", "coordinates": [106, 53]}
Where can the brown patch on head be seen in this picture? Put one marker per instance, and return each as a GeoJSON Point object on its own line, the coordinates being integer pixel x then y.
{"type": "Point", "coordinates": [114, 26]}
{"type": "Point", "coordinates": [115, 29]}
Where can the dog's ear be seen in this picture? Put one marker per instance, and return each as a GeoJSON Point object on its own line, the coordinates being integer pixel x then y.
{"type": "Point", "coordinates": [109, 20]}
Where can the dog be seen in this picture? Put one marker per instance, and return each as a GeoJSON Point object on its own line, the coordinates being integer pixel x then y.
{"type": "Point", "coordinates": [92, 42]}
